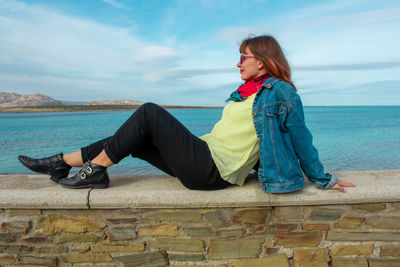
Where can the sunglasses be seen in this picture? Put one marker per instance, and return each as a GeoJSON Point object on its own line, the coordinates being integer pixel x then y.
{"type": "Point", "coordinates": [243, 58]}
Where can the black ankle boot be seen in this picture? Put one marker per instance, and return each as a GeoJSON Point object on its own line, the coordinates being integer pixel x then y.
{"type": "Point", "coordinates": [54, 166]}
{"type": "Point", "coordinates": [90, 176]}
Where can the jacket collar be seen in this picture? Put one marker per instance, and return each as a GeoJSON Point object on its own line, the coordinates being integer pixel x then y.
{"type": "Point", "coordinates": [269, 83]}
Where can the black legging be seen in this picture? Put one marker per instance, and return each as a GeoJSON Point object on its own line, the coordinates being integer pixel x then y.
{"type": "Point", "coordinates": [154, 135]}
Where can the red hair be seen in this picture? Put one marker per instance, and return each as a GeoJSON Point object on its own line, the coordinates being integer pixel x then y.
{"type": "Point", "coordinates": [268, 50]}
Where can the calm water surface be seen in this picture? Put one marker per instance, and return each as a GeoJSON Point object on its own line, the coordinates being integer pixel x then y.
{"type": "Point", "coordinates": [348, 138]}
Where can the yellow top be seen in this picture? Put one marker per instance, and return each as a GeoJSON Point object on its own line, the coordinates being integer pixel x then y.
{"type": "Point", "coordinates": [233, 141]}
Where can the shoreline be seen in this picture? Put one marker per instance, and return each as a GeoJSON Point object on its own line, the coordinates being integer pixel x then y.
{"type": "Point", "coordinates": [81, 108]}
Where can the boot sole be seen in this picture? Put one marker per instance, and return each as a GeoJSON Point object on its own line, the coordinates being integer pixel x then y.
{"type": "Point", "coordinates": [54, 179]}
{"type": "Point", "coordinates": [93, 186]}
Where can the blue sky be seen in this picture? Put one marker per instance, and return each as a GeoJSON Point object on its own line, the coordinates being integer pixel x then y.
{"type": "Point", "coordinates": [184, 51]}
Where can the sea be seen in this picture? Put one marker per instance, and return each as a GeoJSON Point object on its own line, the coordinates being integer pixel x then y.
{"type": "Point", "coordinates": [347, 137]}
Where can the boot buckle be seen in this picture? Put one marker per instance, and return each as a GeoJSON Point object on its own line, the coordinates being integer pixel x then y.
{"type": "Point", "coordinates": [86, 169]}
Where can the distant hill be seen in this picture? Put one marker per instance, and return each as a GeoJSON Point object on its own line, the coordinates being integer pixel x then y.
{"type": "Point", "coordinates": [8, 100]}
{"type": "Point", "coordinates": [16, 100]}
{"type": "Point", "coordinates": [12, 102]}
{"type": "Point", "coordinates": [114, 102]}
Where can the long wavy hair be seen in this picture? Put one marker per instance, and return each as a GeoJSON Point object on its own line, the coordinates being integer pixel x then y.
{"type": "Point", "coordinates": [268, 50]}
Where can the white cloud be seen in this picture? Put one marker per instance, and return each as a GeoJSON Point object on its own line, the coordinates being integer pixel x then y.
{"type": "Point", "coordinates": [114, 3]}
{"type": "Point", "coordinates": [156, 54]}
{"type": "Point", "coordinates": [334, 52]}
{"type": "Point", "coordinates": [347, 67]}
{"type": "Point", "coordinates": [71, 51]}
{"type": "Point", "coordinates": [236, 34]}
{"type": "Point", "coordinates": [325, 8]}
{"type": "Point", "coordinates": [179, 74]}
{"type": "Point", "coordinates": [45, 50]}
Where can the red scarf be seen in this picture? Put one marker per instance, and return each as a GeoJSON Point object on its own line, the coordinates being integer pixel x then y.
{"type": "Point", "coordinates": [248, 88]}
{"type": "Point", "coordinates": [251, 87]}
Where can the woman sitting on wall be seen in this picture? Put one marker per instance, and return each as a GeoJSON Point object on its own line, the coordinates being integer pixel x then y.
{"type": "Point", "coordinates": [262, 123]}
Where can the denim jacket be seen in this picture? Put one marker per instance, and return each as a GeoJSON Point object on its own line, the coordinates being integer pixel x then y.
{"type": "Point", "coordinates": [285, 143]}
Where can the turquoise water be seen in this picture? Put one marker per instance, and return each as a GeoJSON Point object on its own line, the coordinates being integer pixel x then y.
{"type": "Point", "coordinates": [348, 138]}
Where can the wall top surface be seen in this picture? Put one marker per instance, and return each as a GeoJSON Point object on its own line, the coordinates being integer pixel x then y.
{"type": "Point", "coordinates": [161, 191]}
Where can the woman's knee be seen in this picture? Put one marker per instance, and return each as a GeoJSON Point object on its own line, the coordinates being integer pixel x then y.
{"type": "Point", "coordinates": [152, 112]}
{"type": "Point", "coordinates": [145, 109]}
{"type": "Point", "coordinates": [149, 107]}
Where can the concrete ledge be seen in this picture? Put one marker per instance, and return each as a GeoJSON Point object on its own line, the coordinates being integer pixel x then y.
{"type": "Point", "coordinates": [37, 191]}
{"type": "Point", "coordinates": [149, 191]}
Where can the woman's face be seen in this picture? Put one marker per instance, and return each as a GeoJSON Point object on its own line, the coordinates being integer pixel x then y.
{"type": "Point", "coordinates": [250, 67]}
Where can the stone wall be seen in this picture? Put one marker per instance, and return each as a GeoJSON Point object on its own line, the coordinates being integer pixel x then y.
{"type": "Point", "coordinates": [321, 235]}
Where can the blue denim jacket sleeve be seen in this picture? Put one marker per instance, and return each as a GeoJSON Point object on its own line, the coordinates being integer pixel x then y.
{"type": "Point", "coordinates": [307, 154]}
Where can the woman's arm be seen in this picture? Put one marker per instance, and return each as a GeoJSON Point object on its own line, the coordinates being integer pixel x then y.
{"type": "Point", "coordinates": [307, 154]}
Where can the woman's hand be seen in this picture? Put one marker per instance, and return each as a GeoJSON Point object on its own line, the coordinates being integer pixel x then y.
{"type": "Point", "coordinates": [341, 186]}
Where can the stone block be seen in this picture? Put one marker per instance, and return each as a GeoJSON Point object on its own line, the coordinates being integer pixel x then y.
{"type": "Point", "coordinates": [325, 214]}
{"type": "Point", "coordinates": [395, 206]}
{"type": "Point", "coordinates": [131, 211]}
{"type": "Point", "coordinates": [349, 262]}
{"type": "Point", "coordinates": [348, 223]}
{"type": "Point", "coordinates": [185, 257]}
{"type": "Point", "coordinates": [275, 261]}
{"type": "Point", "coordinates": [80, 248]}
{"type": "Point", "coordinates": [316, 226]}
{"type": "Point", "coordinates": [109, 247]}
{"type": "Point", "coordinates": [36, 239]}
{"type": "Point", "coordinates": [251, 216]}
{"type": "Point", "coordinates": [286, 227]}
{"type": "Point", "coordinates": [234, 248]}
{"type": "Point", "coordinates": [14, 249]}
{"type": "Point", "coordinates": [8, 237]}
{"type": "Point", "coordinates": [177, 244]}
{"type": "Point", "coordinates": [56, 224]}
{"type": "Point", "coordinates": [154, 259]}
{"type": "Point", "coordinates": [365, 249]}
{"type": "Point", "coordinates": [300, 239]}
{"type": "Point", "coordinates": [7, 260]}
{"type": "Point", "coordinates": [51, 249]}
{"type": "Point", "coordinates": [22, 212]}
{"type": "Point", "coordinates": [230, 232]}
{"type": "Point", "coordinates": [289, 213]}
{"type": "Point", "coordinates": [89, 258]}
{"type": "Point", "coordinates": [370, 207]}
{"type": "Point", "coordinates": [162, 229]}
{"type": "Point", "coordinates": [196, 265]}
{"type": "Point", "coordinates": [216, 219]}
{"type": "Point", "coordinates": [66, 238]}
{"type": "Point", "coordinates": [269, 240]}
{"type": "Point", "coordinates": [270, 250]}
{"type": "Point", "coordinates": [121, 233]}
{"type": "Point", "coordinates": [199, 231]}
{"type": "Point", "coordinates": [383, 222]}
{"type": "Point", "coordinates": [384, 262]}
{"type": "Point", "coordinates": [318, 257]}
{"type": "Point", "coordinates": [66, 264]}
{"type": "Point", "coordinates": [180, 216]}
{"type": "Point", "coordinates": [362, 236]}
{"type": "Point", "coordinates": [392, 251]}
{"type": "Point", "coordinates": [262, 229]}
{"type": "Point", "coordinates": [133, 220]}
{"type": "Point", "coordinates": [42, 261]}
{"type": "Point", "coordinates": [18, 227]}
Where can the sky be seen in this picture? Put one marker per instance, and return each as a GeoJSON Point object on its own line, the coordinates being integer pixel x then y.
{"type": "Point", "coordinates": [184, 52]}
